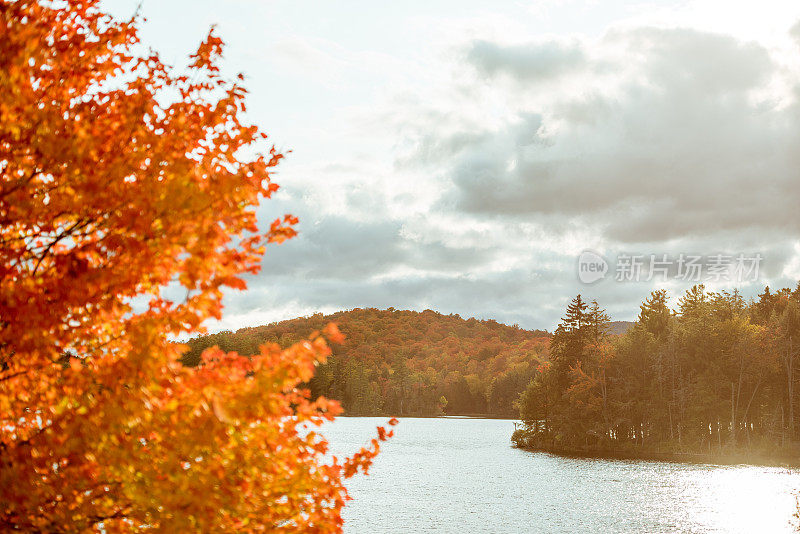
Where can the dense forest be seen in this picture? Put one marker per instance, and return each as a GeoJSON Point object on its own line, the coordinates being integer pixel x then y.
{"type": "Point", "coordinates": [716, 374]}
{"type": "Point", "coordinates": [407, 363]}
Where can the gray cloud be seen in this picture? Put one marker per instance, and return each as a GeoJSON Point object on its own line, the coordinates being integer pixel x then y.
{"type": "Point", "coordinates": [529, 62]}
{"type": "Point", "coordinates": [681, 149]}
{"type": "Point", "coordinates": [795, 32]}
{"type": "Point", "coordinates": [513, 296]}
{"type": "Point", "coordinates": [335, 247]}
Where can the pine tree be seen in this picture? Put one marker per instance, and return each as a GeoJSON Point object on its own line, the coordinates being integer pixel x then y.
{"type": "Point", "coordinates": [597, 321]}
{"type": "Point", "coordinates": [569, 340]}
{"type": "Point", "coordinates": [693, 301]}
{"type": "Point", "coordinates": [576, 315]}
{"type": "Point", "coordinates": [762, 309]}
{"type": "Point", "coordinates": [654, 314]}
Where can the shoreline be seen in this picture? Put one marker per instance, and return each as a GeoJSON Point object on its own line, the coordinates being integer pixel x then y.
{"type": "Point", "coordinates": [785, 460]}
{"type": "Point", "coordinates": [444, 416]}
{"type": "Point", "coordinates": [713, 458]}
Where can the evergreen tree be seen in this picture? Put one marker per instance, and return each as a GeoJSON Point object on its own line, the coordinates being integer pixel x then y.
{"type": "Point", "coordinates": [654, 315]}
{"type": "Point", "coordinates": [569, 340]}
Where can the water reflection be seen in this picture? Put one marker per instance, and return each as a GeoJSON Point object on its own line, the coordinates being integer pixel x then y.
{"type": "Point", "coordinates": [461, 475]}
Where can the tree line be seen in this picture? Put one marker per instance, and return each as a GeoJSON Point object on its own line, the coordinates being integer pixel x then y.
{"type": "Point", "coordinates": [715, 374]}
{"type": "Point", "coordinates": [407, 363]}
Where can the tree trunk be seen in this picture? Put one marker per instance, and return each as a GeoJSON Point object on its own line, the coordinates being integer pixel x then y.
{"type": "Point", "coordinates": [733, 414]}
{"type": "Point", "coordinates": [790, 378]}
{"type": "Point", "coordinates": [747, 411]}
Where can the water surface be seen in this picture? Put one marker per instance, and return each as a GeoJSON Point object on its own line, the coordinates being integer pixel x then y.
{"type": "Point", "coordinates": [462, 475]}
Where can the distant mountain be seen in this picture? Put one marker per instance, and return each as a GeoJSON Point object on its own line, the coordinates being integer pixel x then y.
{"type": "Point", "coordinates": [617, 328]}
{"type": "Point", "coordinates": [408, 363]}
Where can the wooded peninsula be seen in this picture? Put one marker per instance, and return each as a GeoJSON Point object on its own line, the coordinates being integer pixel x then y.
{"type": "Point", "coordinates": [716, 376]}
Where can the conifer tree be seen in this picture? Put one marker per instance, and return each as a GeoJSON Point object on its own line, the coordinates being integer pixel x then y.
{"type": "Point", "coordinates": [654, 314]}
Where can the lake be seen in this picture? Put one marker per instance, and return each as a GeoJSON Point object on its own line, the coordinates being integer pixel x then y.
{"type": "Point", "coordinates": [462, 475]}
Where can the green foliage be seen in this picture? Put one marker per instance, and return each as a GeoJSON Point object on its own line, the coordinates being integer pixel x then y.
{"type": "Point", "coordinates": [716, 374]}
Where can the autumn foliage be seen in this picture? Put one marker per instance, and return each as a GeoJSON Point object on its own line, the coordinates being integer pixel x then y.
{"type": "Point", "coordinates": [127, 203]}
{"type": "Point", "coordinates": [400, 362]}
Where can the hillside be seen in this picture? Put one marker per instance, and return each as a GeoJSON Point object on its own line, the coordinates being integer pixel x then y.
{"type": "Point", "coordinates": [408, 363]}
{"type": "Point", "coordinates": [617, 328]}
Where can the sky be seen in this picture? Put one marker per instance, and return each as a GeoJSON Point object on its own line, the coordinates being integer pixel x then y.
{"type": "Point", "coordinates": [472, 157]}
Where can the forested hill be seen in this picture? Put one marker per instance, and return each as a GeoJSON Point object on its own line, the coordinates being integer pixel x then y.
{"type": "Point", "coordinates": [408, 363]}
{"type": "Point", "coordinates": [617, 328]}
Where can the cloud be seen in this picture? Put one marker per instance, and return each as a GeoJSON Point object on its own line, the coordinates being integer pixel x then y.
{"type": "Point", "coordinates": [668, 136]}
{"type": "Point", "coordinates": [659, 141]}
{"type": "Point", "coordinates": [512, 159]}
{"type": "Point", "coordinates": [527, 62]}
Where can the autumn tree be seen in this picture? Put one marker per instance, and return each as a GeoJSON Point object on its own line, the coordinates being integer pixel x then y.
{"type": "Point", "coordinates": [402, 362]}
{"type": "Point", "coordinates": [128, 200]}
